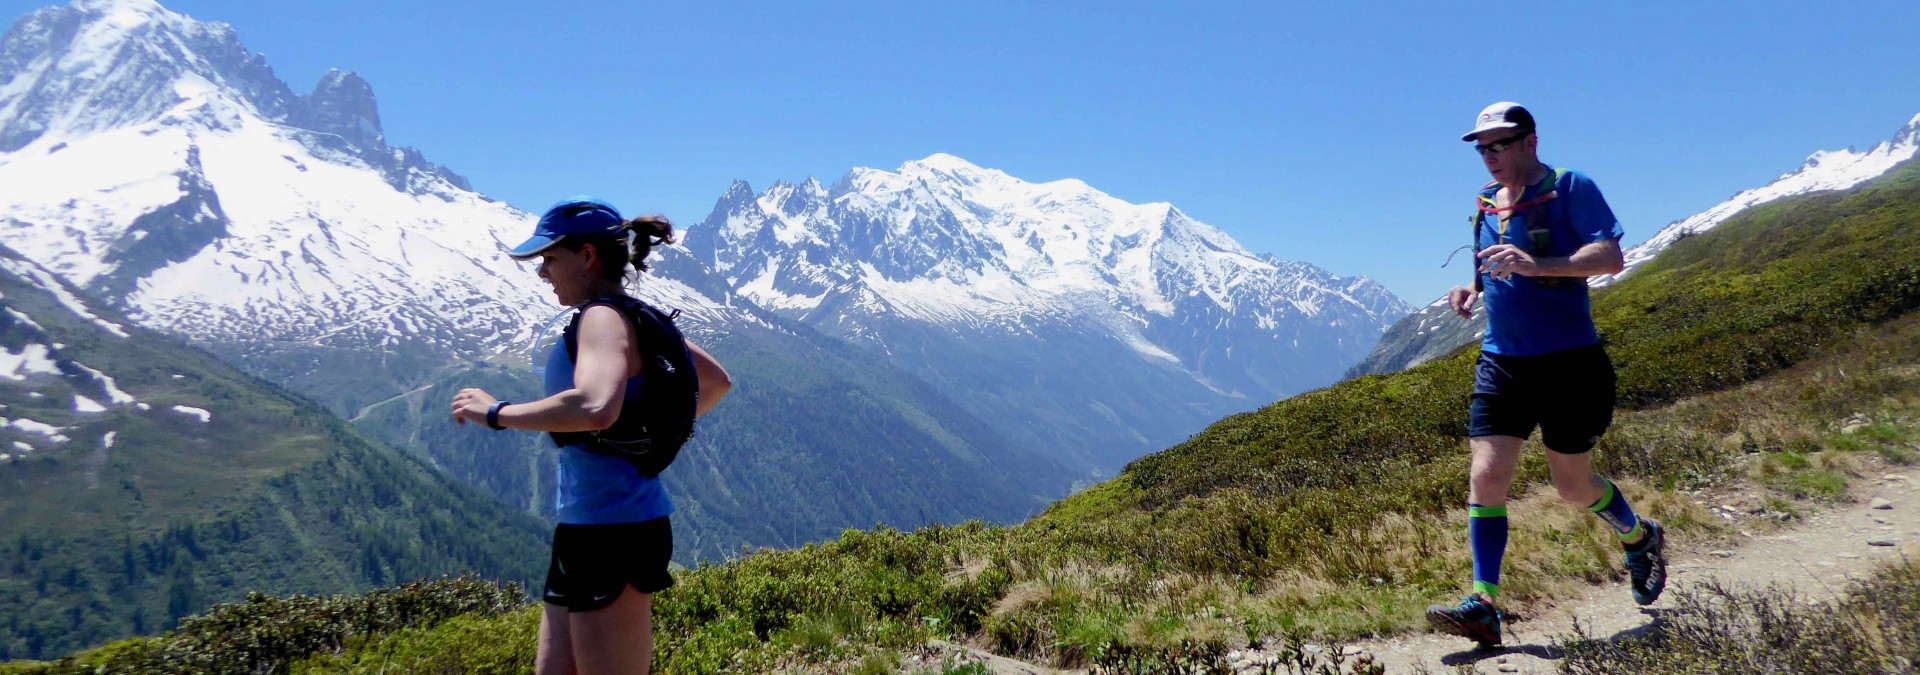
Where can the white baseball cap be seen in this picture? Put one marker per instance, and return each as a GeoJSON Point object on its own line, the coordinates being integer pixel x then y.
{"type": "Point", "coordinates": [1502, 115]}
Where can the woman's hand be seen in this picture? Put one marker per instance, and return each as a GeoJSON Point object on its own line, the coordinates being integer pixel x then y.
{"type": "Point", "coordinates": [470, 405]}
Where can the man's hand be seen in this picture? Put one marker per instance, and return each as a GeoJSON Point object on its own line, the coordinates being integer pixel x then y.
{"type": "Point", "coordinates": [1506, 260]}
{"type": "Point", "coordinates": [470, 405]}
{"type": "Point", "coordinates": [1462, 299]}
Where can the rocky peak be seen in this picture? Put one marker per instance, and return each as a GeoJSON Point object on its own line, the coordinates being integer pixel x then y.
{"type": "Point", "coordinates": [342, 103]}
{"type": "Point", "coordinates": [97, 65]}
{"type": "Point", "coordinates": [1910, 134]}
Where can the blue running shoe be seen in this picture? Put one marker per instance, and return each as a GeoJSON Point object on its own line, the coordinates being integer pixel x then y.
{"type": "Point", "coordinates": [1475, 619]}
{"type": "Point", "coordinates": [1647, 564]}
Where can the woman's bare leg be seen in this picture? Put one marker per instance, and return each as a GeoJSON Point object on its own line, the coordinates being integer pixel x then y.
{"type": "Point", "coordinates": [556, 648]}
{"type": "Point", "coordinates": [616, 639]}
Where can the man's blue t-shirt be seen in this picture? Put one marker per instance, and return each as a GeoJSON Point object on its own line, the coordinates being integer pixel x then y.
{"type": "Point", "coordinates": [1528, 316]}
{"type": "Point", "coordinates": [596, 489]}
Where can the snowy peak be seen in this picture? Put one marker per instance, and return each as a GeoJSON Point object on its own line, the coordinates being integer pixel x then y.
{"type": "Point", "coordinates": [1908, 135]}
{"type": "Point", "coordinates": [155, 162]}
{"type": "Point", "coordinates": [953, 229]}
{"type": "Point", "coordinates": [98, 65]}
{"type": "Point", "coordinates": [342, 103]}
{"type": "Point", "coordinates": [943, 242]}
{"type": "Point", "coordinates": [1822, 171]}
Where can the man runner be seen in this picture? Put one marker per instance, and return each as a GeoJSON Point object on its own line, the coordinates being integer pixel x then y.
{"type": "Point", "coordinates": [1539, 233]}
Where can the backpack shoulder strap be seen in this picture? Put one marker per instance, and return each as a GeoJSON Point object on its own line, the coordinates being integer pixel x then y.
{"type": "Point", "coordinates": [653, 330]}
{"type": "Point", "coordinates": [1480, 203]}
{"type": "Point", "coordinates": [621, 305]}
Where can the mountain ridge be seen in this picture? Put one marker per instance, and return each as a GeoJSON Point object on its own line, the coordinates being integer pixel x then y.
{"type": "Point", "coordinates": [943, 266]}
{"type": "Point", "coordinates": [144, 479]}
{"type": "Point", "coordinates": [285, 234]}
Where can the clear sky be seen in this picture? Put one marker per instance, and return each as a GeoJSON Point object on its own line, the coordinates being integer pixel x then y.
{"type": "Point", "coordinates": [1322, 132]}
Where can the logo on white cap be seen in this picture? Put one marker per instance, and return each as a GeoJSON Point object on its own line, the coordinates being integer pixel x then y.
{"type": "Point", "coordinates": [1499, 116]}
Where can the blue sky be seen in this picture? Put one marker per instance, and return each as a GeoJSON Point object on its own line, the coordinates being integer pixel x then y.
{"type": "Point", "coordinates": [1326, 132]}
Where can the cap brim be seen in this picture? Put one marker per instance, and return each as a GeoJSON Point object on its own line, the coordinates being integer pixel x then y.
{"type": "Point", "coordinates": [1471, 135]}
{"type": "Point", "coordinates": [532, 247]}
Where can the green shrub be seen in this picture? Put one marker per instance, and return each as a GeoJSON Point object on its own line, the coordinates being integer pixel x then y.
{"type": "Point", "coordinates": [1714, 628]}
{"type": "Point", "coordinates": [266, 635]}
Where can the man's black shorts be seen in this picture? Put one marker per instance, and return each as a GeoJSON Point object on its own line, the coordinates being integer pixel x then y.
{"type": "Point", "coordinates": [1568, 394]}
{"type": "Point", "coordinates": [593, 564]}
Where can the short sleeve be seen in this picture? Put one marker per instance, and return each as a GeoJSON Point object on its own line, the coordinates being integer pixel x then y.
{"type": "Point", "coordinates": [1592, 219]}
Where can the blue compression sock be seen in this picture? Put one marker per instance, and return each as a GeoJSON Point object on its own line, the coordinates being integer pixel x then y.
{"type": "Point", "coordinates": [1487, 534]}
{"type": "Point", "coordinates": [1613, 508]}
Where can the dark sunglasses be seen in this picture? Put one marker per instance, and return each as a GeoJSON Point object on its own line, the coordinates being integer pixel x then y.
{"type": "Point", "coordinates": [1501, 146]}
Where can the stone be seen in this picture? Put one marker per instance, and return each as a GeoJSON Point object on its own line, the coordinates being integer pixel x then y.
{"type": "Point", "coordinates": [1880, 504]}
{"type": "Point", "coordinates": [1509, 668]}
{"type": "Point", "coordinates": [1826, 563]}
{"type": "Point", "coordinates": [1850, 556]}
{"type": "Point", "coordinates": [1880, 541]}
{"type": "Point", "coordinates": [1852, 428]}
{"type": "Point", "coordinates": [1722, 554]}
{"type": "Point", "coordinates": [1895, 476]}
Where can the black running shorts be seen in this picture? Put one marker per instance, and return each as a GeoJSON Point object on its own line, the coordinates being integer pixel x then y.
{"type": "Point", "coordinates": [593, 564]}
{"type": "Point", "coordinates": [1568, 394]}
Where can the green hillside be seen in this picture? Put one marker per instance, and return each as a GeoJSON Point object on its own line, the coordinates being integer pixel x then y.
{"type": "Point", "coordinates": [134, 514]}
{"type": "Point", "coordinates": [1337, 513]}
{"type": "Point", "coordinates": [815, 436]}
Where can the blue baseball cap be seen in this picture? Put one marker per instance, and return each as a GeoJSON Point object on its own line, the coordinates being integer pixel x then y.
{"type": "Point", "coordinates": [581, 216]}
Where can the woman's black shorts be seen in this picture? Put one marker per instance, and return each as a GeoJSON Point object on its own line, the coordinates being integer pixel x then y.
{"type": "Point", "coordinates": [1568, 394]}
{"type": "Point", "coordinates": [593, 564]}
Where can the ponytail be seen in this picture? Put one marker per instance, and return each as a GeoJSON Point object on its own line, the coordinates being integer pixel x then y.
{"type": "Point", "coordinates": [644, 233]}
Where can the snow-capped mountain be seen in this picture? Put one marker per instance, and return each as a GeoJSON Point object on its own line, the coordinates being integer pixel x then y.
{"type": "Point", "coordinates": [947, 267]}
{"type": "Point", "coordinates": [150, 161]}
{"type": "Point", "coordinates": [150, 158]}
{"type": "Point", "coordinates": [1824, 170]}
{"type": "Point", "coordinates": [1434, 331]}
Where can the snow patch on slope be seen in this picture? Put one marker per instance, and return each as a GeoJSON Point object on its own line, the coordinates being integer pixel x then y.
{"type": "Point", "coordinates": [1823, 171]}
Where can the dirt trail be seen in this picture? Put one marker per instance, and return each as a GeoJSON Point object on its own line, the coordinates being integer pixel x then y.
{"type": "Point", "coordinates": [1816, 556]}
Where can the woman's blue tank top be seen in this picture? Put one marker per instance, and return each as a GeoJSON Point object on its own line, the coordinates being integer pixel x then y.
{"type": "Point", "coordinates": [598, 489]}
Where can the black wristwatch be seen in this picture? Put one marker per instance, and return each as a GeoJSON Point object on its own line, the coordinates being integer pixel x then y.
{"type": "Point", "coordinates": [493, 415]}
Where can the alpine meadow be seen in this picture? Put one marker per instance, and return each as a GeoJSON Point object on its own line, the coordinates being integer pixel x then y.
{"type": "Point", "coordinates": [969, 422]}
{"type": "Point", "coordinates": [1740, 349]}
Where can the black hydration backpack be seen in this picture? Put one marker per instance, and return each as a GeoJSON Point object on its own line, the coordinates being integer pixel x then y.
{"type": "Point", "coordinates": [653, 426]}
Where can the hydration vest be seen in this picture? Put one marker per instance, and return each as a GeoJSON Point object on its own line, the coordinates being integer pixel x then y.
{"type": "Point", "coordinates": [653, 426]}
{"type": "Point", "coordinates": [1539, 240]}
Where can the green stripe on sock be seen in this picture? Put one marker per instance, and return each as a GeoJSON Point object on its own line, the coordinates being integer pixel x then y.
{"type": "Point", "coordinates": [1492, 590]}
{"type": "Point", "coordinates": [1486, 512]}
{"type": "Point", "coordinates": [1639, 526]}
{"type": "Point", "coordinates": [1604, 501]}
